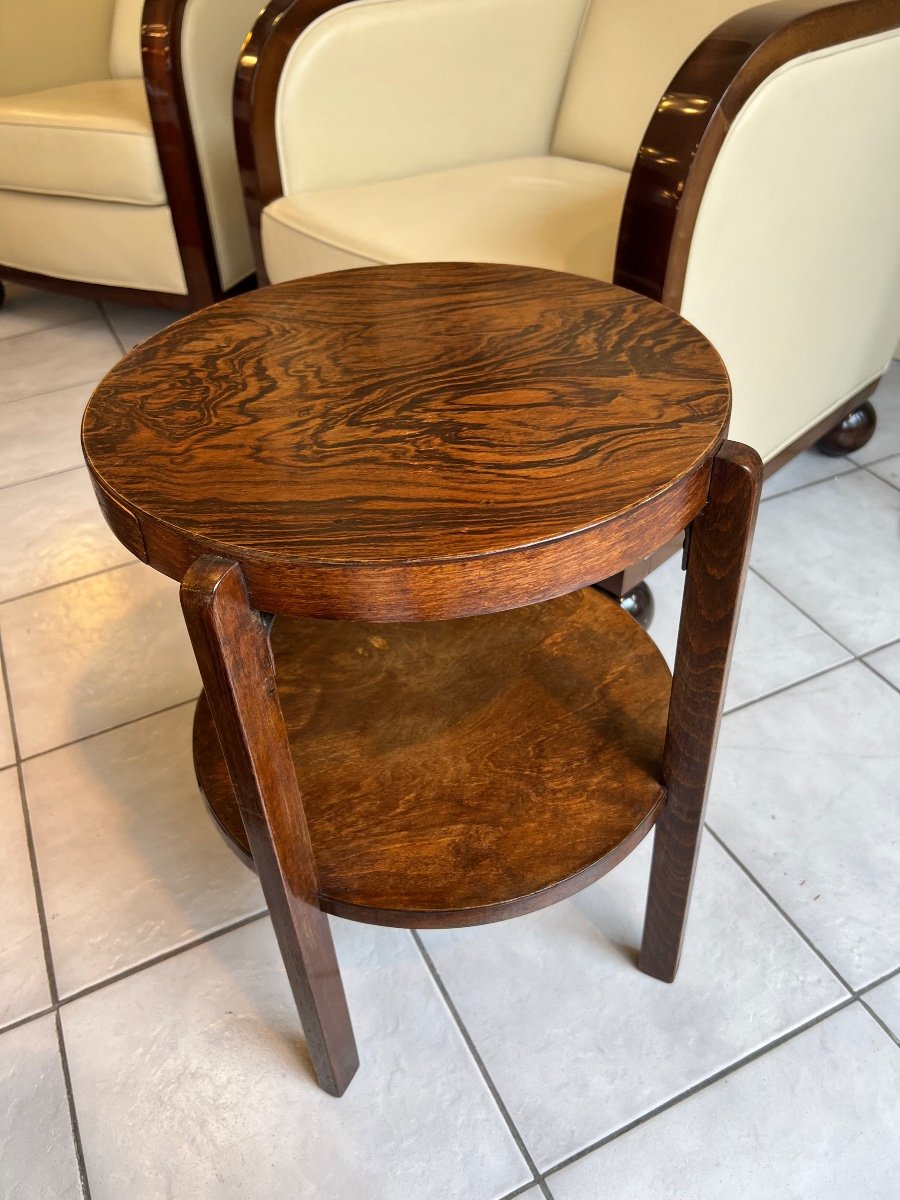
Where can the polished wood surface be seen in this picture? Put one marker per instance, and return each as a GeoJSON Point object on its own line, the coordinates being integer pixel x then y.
{"type": "Point", "coordinates": [412, 442]}
{"type": "Point", "coordinates": [465, 771]}
{"type": "Point", "coordinates": [435, 440]}
{"type": "Point", "coordinates": [687, 130]}
{"type": "Point", "coordinates": [718, 551]}
{"type": "Point", "coordinates": [235, 663]}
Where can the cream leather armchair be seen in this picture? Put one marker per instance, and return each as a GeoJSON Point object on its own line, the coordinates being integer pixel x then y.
{"type": "Point", "coordinates": [118, 175]}
{"type": "Point", "coordinates": [742, 167]}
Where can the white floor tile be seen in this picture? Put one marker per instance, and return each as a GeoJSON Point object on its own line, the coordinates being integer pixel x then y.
{"type": "Point", "coordinates": [53, 532]}
{"type": "Point", "coordinates": [131, 864]}
{"type": "Point", "coordinates": [42, 434]}
{"type": "Point", "coordinates": [885, 1000]}
{"type": "Point", "coordinates": [805, 794]}
{"type": "Point", "coordinates": [808, 467]}
{"type": "Point", "coordinates": [888, 470]}
{"type": "Point", "coordinates": [134, 325]}
{"type": "Point", "coordinates": [23, 974]}
{"type": "Point", "coordinates": [834, 549]}
{"type": "Point", "coordinates": [579, 1042]}
{"type": "Point", "coordinates": [28, 309]}
{"type": "Point", "coordinates": [50, 359]}
{"type": "Point", "coordinates": [886, 438]}
{"type": "Point", "coordinates": [7, 749]}
{"type": "Point", "coordinates": [93, 654]}
{"type": "Point", "coordinates": [815, 1119]}
{"type": "Point", "coordinates": [887, 663]}
{"type": "Point", "coordinates": [36, 1146]}
{"type": "Point", "coordinates": [776, 645]}
{"type": "Point", "coordinates": [191, 1079]}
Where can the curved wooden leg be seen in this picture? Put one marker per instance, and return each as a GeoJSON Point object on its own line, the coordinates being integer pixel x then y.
{"type": "Point", "coordinates": [232, 649]}
{"type": "Point", "coordinates": [716, 567]}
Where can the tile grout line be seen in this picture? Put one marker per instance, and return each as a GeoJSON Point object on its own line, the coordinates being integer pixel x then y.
{"type": "Point", "coordinates": [86, 737]}
{"type": "Point", "coordinates": [803, 613]}
{"type": "Point", "coordinates": [73, 1114]}
{"type": "Point", "coordinates": [20, 1021]}
{"type": "Point", "coordinates": [50, 587]}
{"type": "Point", "coordinates": [45, 938]}
{"type": "Point", "coordinates": [883, 679]}
{"type": "Point", "coordinates": [4, 487]}
{"type": "Point", "coordinates": [802, 487]}
{"type": "Point", "coordinates": [112, 329]}
{"type": "Point", "coordinates": [162, 957]}
{"type": "Point", "coordinates": [879, 981]}
{"type": "Point", "coordinates": [704, 1084]}
{"type": "Point", "coordinates": [877, 463]}
{"type": "Point", "coordinates": [878, 1021]}
{"type": "Point", "coordinates": [790, 921]}
{"type": "Point", "coordinates": [491, 1086]}
{"type": "Point", "coordinates": [786, 687]}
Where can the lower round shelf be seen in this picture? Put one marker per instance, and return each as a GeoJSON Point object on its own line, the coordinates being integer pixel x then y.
{"type": "Point", "coordinates": [457, 772]}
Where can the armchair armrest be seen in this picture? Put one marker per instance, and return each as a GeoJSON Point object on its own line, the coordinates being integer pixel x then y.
{"type": "Point", "coordinates": [333, 95]}
{"type": "Point", "coordinates": [763, 207]}
{"type": "Point", "coordinates": [45, 44]}
{"type": "Point", "coordinates": [189, 50]}
{"type": "Point", "coordinates": [686, 133]}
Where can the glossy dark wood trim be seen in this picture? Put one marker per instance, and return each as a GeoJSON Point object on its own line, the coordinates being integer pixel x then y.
{"type": "Point", "coordinates": [161, 56]}
{"type": "Point", "coordinates": [685, 134]}
{"type": "Point", "coordinates": [255, 89]}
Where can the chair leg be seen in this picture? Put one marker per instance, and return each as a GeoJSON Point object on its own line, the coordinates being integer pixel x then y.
{"type": "Point", "coordinates": [232, 649]}
{"type": "Point", "coordinates": [716, 567]}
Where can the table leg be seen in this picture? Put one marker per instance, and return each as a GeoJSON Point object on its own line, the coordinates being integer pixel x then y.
{"type": "Point", "coordinates": [716, 567]}
{"type": "Point", "coordinates": [232, 650]}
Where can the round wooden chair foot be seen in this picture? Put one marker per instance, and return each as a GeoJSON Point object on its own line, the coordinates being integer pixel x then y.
{"type": "Point", "coordinates": [852, 433]}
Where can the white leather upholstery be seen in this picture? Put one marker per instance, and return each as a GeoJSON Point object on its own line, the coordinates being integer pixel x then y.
{"type": "Point", "coordinates": [794, 270]}
{"type": "Point", "coordinates": [48, 43]}
{"type": "Point", "coordinates": [211, 39]}
{"type": "Point", "coordinates": [123, 245]}
{"type": "Point", "coordinates": [541, 212]}
{"type": "Point", "coordinates": [627, 55]}
{"type": "Point", "coordinates": [92, 140]}
{"type": "Point", "coordinates": [125, 40]}
{"type": "Point", "coordinates": [386, 88]}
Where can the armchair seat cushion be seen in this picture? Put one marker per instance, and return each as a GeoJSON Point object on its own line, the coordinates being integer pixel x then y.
{"type": "Point", "coordinates": [541, 212]}
{"type": "Point", "coordinates": [87, 140]}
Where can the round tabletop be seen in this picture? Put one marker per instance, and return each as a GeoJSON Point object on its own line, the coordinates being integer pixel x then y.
{"type": "Point", "coordinates": [413, 441]}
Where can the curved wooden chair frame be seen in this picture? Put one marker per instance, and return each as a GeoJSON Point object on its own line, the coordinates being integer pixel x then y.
{"type": "Point", "coordinates": [161, 55]}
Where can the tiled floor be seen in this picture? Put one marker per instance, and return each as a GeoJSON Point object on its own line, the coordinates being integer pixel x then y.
{"type": "Point", "coordinates": [148, 1043]}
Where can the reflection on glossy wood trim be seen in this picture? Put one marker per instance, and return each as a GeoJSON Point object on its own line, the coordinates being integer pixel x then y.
{"type": "Point", "coordinates": [255, 89]}
{"type": "Point", "coordinates": [682, 141]}
{"type": "Point", "coordinates": [161, 56]}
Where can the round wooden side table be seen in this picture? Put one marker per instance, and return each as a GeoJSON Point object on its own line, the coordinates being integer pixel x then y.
{"type": "Point", "coordinates": [420, 469]}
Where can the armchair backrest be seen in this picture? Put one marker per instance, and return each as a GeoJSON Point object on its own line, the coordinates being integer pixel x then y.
{"type": "Point", "coordinates": [45, 44]}
{"type": "Point", "coordinates": [626, 56]}
{"type": "Point", "coordinates": [125, 41]}
{"type": "Point", "coordinates": [388, 88]}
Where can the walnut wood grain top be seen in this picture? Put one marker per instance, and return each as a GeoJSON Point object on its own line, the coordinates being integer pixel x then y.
{"type": "Point", "coordinates": [412, 441]}
{"type": "Point", "coordinates": [464, 771]}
